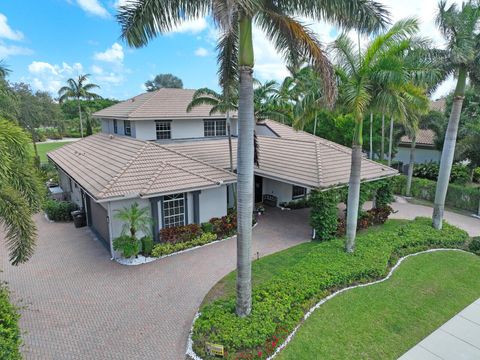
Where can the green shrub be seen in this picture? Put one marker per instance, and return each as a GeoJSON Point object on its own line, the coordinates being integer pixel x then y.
{"type": "Point", "coordinates": [59, 210]}
{"type": "Point", "coordinates": [459, 175]}
{"type": "Point", "coordinates": [127, 245]}
{"type": "Point", "coordinates": [280, 303]}
{"type": "Point", "coordinates": [324, 213]}
{"type": "Point", "coordinates": [10, 340]}
{"type": "Point", "coordinates": [207, 227]}
{"type": "Point", "coordinates": [458, 196]}
{"type": "Point", "coordinates": [476, 175]}
{"type": "Point", "coordinates": [170, 248]}
{"type": "Point", "coordinates": [298, 204]}
{"type": "Point", "coordinates": [147, 245]}
{"type": "Point", "coordinates": [474, 245]}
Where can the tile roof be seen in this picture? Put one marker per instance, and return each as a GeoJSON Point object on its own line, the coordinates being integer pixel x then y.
{"type": "Point", "coordinates": [439, 104]}
{"type": "Point", "coordinates": [296, 157]}
{"type": "Point", "coordinates": [424, 137]}
{"type": "Point", "coordinates": [109, 167]}
{"type": "Point", "coordinates": [161, 104]}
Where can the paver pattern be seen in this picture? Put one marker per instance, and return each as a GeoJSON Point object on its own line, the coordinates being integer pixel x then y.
{"type": "Point", "coordinates": [81, 305]}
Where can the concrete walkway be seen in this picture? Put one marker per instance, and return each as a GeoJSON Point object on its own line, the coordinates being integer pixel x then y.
{"type": "Point", "coordinates": [457, 339]}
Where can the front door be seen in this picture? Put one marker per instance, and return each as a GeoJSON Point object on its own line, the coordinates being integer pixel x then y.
{"type": "Point", "coordinates": [258, 189]}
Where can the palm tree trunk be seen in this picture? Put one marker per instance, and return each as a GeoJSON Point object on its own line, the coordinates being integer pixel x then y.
{"type": "Point", "coordinates": [382, 150]}
{"type": "Point", "coordinates": [315, 125]}
{"type": "Point", "coordinates": [371, 135]}
{"type": "Point", "coordinates": [245, 161]}
{"type": "Point", "coordinates": [353, 200]}
{"type": "Point", "coordinates": [230, 151]}
{"type": "Point", "coordinates": [390, 143]}
{"type": "Point", "coordinates": [411, 164]}
{"type": "Point", "coordinates": [80, 116]}
{"type": "Point", "coordinates": [449, 150]}
{"type": "Point", "coordinates": [35, 149]}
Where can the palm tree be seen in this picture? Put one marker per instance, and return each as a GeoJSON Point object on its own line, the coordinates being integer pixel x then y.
{"type": "Point", "coordinates": [78, 90]}
{"type": "Point", "coordinates": [143, 20]}
{"type": "Point", "coordinates": [459, 27]}
{"type": "Point", "coordinates": [20, 192]}
{"type": "Point", "coordinates": [4, 70]}
{"type": "Point", "coordinates": [134, 219]}
{"type": "Point", "coordinates": [375, 79]}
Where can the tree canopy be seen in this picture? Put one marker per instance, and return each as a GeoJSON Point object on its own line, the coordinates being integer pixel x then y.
{"type": "Point", "coordinates": [164, 81]}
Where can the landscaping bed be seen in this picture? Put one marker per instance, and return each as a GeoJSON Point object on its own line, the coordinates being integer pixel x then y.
{"type": "Point", "coordinates": [10, 340]}
{"type": "Point", "coordinates": [280, 302]}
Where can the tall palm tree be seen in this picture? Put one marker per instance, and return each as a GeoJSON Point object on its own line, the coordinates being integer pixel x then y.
{"type": "Point", "coordinates": [373, 79]}
{"type": "Point", "coordinates": [78, 90]}
{"type": "Point", "coordinates": [459, 27]}
{"type": "Point", "coordinates": [20, 192]}
{"type": "Point", "coordinates": [142, 20]}
{"type": "Point", "coordinates": [4, 70]}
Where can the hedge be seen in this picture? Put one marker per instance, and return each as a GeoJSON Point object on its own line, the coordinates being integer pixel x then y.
{"type": "Point", "coordinates": [458, 196]}
{"type": "Point", "coordinates": [10, 340]}
{"type": "Point", "coordinates": [163, 249]}
{"type": "Point", "coordinates": [280, 303]}
{"type": "Point", "coordinates": [59, 210]}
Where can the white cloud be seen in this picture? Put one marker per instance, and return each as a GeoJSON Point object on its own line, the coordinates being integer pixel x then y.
{"type": "Point", "coordinates": [93, 7]}
{"type": "Point", "coordinates": [193, 26]}
{"type": "Point", "coordinates": [113, 55]}
{"type": "Point", "coordinates": [201, 52]}
{"type": "Point", "coordinates": [12, 50]}
{"type": "Point", "coordinates": [119, 3]}
{"type": "Point", "coordinates": [7, 32]}
{"type": "Point", "coordinates": [97, 70]}
{"type": "Point", "coordinates": [111, 78]}
{"type": "Point", "coordinates": [50, 77]}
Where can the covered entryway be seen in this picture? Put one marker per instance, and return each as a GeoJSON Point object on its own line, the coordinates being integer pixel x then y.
{"type": "Point", "coordinates": [97, 217]}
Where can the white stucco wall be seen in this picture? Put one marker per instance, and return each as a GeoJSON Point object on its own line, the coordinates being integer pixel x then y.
{"type": "Point", "coordinates": [145, 130]}
{"type": "Point", "coordinates": [421, 155]}
{"type": "Point", "coordinates": [71, 189]}
{"type": "Point", "coordinates": [187, 128]}
{"type": "Point", "coordinates": [213, 203]}
{"type": "Point", "coordinates": [282, 190]}
{"type": "Point", "coordinates": [116, 225]}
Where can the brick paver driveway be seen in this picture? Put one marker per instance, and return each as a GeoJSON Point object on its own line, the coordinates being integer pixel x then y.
{"type": "Point", "coordinates": [80, 305]}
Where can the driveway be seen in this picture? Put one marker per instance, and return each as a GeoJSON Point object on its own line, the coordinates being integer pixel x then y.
{"type": "Point", "coordinates": [81, 305]}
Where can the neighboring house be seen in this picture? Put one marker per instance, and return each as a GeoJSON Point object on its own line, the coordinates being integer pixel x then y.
{"type": "Point", "coordinates": [151, 151]}
{"type": "Point", "coordinates": [425, 150]}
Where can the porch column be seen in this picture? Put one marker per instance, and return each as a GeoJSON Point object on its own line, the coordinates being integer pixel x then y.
{"type": "Point", "coordinates": [196, 206]}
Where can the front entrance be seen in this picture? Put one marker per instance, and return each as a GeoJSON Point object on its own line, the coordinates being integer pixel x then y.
{"type": "Point", "coordinates": [258, 189]}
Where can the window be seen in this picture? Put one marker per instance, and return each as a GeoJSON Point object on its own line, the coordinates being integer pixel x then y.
{"type": "Point", "coordinates": [298, 192]}
{"type": "Point", "coordinates": [127, 128]}
{"type": "Point", "coordinates": [115, 126]}
{"type": "Point", "coordinates": [163, 129]}
{"type": "Point", "coordinates": [174, 210]}
{"type": "Point", "coordinates": [215, 128]}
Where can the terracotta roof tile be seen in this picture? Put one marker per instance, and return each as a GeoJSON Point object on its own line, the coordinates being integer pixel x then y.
{"type": "Point", "coordinates": [424, 137]}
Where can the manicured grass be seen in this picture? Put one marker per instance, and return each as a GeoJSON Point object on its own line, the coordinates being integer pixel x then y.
{"type": "Point", "coordinates": [46, 147]}
{"type": "Point", "coordinates": [385, 320]}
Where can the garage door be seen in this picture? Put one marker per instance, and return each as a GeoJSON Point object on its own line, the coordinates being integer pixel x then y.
{"type": "Point", "coordinates": [99, 222]}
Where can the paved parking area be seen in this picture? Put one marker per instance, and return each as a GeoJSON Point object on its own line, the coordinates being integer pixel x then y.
{"type": "Point", "coordinates": [78, 304]}
{"type": "Point", "coordinates": [457, 339]}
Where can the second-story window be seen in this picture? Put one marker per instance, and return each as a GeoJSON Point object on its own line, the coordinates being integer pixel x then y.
{"type": "Point", "coordinates": [215, 127]}
{"type": "Point", "coordinates": [163, 129]}
{"type": "Point", "coordinates": [115, 126]}
{"type": "Point", "coordinates": [127, 128]}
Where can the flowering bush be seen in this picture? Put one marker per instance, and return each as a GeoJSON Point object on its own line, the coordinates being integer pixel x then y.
{"type": "Point", "coordinates": [178, 234]}
{"type": "Point", "coordinates": [224, 226]}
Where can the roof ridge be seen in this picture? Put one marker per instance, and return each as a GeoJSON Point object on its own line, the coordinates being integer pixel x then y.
{"type": "Point", "coordinates": [122, 171]}
{"type": "Point", "coordinates": [141, 105]}
{"type": "Point", "coordinates": [154, 178]}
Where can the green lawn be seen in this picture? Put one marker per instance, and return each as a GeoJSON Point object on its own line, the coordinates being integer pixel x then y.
{"type": "Point", "coordinates": [385, 320]}
{"type": "Point", "coordinates": [46, 147]}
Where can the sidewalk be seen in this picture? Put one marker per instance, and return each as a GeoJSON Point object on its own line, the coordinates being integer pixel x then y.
{"type": "Point", "coordinates": [457, 339]}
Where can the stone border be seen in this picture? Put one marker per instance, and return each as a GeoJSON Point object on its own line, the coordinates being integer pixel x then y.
{"type": "Point", "coordinates": [190, 353]}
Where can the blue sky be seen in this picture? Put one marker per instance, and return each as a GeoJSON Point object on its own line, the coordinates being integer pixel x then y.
{"type": "Point", "coordinates": [46, 42]}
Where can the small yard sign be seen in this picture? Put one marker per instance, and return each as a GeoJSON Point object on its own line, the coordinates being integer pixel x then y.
{"type": "Point", "coordinates": [214, 349]}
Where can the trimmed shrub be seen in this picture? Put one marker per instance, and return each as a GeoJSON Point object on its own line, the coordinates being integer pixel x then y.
{"type": "Point", "coordinates": [280, 303]}
{"type": "Point", "coordinates": [474, 245]}
{"type": "Point", "coordinates": [178, 234]}
{"type": "Point", "coordinates": [59, 210]}
{"type": "Point", "coordinates": [147, 245]}
{"type": "Point", "coordinates": [170, 248]}
{"type": "Point", "coordinates": [458, 196]}
{"type": "Point", "coordinates": [10, 340]}
{"type": "Point", "coordinates": [299, 204]}
{"type": "Point", "coordinates": [476, 175]}
{"type": "Point", "coordinates": [459, 175]}
{"type": "Point", "coordinates": [207, 227]}
{"type": "Point", "coordinates": [127, 245]}
{"type": "Point", "coordinates": [324, 214]}
{"type": "Point", "coordinates": [225, 226]}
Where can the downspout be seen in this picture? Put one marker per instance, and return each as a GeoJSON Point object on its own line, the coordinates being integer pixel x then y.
{"type": "Point", "coordinates": [110, 230]}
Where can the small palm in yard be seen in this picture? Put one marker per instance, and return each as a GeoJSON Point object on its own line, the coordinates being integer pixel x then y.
{"type": "Point", "coordinates": [142, 20]}
{"type": "Point", "coordinates": [134, 219]}
{"type": "Point", "coordinates": [20, 192]}
{"type": "Point", "coordinates": [459, 27]}
{"type": "Point", "coordinates": [78, 90]}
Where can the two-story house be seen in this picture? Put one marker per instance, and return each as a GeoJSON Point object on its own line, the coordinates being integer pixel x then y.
{"type": "Point", "coordinates": [176, 163]}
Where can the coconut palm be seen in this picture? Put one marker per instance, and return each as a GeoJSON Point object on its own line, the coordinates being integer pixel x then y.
{"type": "Point", "coordinates": [375, 79]}
{"type": "Point", "coordinates": [459, 27]}
{"type": "Point", "coordinates": [78, 90]}
{"type": "Point", "coordinates": [20, 192]}
{"type": "Point", "coordinates": [4, 70]}
{"type": "Point", "coordinates": [143, 20]}
{"type": "Point", "coordinates": [134, 219]}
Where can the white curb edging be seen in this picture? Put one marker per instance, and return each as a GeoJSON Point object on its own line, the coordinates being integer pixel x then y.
{"type": "Point", "coordinates": [289, 338]}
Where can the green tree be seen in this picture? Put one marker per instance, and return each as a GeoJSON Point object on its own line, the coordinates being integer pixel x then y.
{"type": "Point", "coordinates": [20, 192]}
{"type": "Point", "coordinates": [164, 81]}
{"type": "Point", "coordinates": [143, 20]}
{"type": "Point", "coordinates": [78, 90]}
{"type": "Point", "coordinates": [375, 79]}
{"type": "Point", "coordinates": [459, 27]}
{"type": "Point", "coordinates": [134, 219]}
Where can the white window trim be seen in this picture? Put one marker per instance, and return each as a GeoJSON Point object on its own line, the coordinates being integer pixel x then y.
{"type": "Point", "coordinates": [175, 197]}
{"type": "Point", "coordinates": [215, 131]}
{"type": "Point", "coordinates": [129, 127]}
{"type": "Point", "coordinates": [115, 126]}
{"type": "Point", "coordinates": [296, 197]}
{"type": "Point", "coordinates": [169, 131]}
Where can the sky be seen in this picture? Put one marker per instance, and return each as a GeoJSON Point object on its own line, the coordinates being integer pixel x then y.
{"type": "Point", "coordinates": [46, 42]}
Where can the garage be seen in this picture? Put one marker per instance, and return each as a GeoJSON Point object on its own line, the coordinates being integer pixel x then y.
{"type": "Point", "coordinates": [98, 221]}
